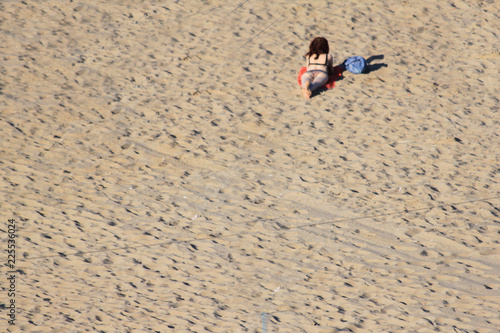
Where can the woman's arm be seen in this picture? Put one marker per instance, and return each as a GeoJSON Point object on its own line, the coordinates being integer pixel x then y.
{"type": "Point", "coordinates": [330, 64]}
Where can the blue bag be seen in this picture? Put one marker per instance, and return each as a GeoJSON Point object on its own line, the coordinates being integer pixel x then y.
{"type": "Point", "coordinates": [355, 65]}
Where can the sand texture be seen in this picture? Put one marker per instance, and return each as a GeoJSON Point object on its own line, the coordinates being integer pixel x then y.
{"type": "Point", "coordinates": [166, 174]}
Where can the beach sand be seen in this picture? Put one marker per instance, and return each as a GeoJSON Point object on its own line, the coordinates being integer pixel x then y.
{"type": "Point", "coordinates": [165, 173]}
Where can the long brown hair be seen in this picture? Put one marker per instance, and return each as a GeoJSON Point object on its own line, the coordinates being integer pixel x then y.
{"type": "Point", "coordinates": [319, 45]}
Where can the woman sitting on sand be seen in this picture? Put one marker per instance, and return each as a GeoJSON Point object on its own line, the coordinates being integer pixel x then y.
{"type": "Point", "coordinates": [319, 65]}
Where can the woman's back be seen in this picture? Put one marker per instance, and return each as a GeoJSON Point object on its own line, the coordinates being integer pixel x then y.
{"type": "Point", "coordinates": [321, 63]}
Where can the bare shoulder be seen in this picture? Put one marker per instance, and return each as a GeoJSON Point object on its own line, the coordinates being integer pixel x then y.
{"type": "Point", "coordinates": [330, 60]}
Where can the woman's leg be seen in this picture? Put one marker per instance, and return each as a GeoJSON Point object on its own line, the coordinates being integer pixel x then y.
{"type": "Point", "coordinates": [306, 82]}
{"type": "Point", "coordinates": [320, 79]}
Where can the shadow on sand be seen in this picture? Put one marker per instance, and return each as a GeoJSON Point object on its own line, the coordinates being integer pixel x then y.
{"type": "Point", "coordinates": [373, 67]}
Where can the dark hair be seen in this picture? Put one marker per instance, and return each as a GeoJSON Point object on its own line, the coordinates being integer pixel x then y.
{"type": "Point", "coordinates": [319, 45]}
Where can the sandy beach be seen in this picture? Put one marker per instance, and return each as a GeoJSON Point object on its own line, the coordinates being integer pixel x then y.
{"type": "Point", "coordinates": [162, 172]}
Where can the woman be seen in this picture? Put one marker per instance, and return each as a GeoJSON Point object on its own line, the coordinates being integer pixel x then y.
{"type": "Point", "coordinates": [319, 65]}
